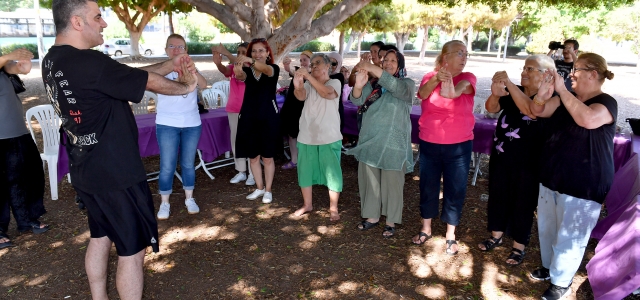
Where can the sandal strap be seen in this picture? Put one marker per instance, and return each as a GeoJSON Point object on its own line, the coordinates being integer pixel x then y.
{"type": "Point", "coordinates": [520, 252]}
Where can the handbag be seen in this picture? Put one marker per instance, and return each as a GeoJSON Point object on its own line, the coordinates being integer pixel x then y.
{"type": "Point", "coordinates": [18, 85]}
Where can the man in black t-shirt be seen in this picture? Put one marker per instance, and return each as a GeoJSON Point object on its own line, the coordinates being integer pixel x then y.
{"type": "Point", "coordinates": [565, 65]}
{"type": "Point", "coordinates": [90, 92]}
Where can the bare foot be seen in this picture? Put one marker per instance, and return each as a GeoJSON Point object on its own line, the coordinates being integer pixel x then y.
{"type": "Point", "coordinates": [303, 210]}
{"type": "Point", "coordinates": [335, 216]}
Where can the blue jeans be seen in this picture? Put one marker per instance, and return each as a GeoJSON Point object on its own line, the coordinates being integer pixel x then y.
{"type": "Point", "coordinates": [451, 163]}
{"type": "Point", "coordinates": [564, 226]}
{"type": "Point", "coordinates": [170, 139]}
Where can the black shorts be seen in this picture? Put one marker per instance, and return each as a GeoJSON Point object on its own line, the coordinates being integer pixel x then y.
{"type": "Point", "coordinates": [126, 217]}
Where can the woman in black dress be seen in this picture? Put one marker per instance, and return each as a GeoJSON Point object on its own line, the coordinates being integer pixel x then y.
{"type": "Point", "coordinates": [514, 163]}
{"type": "Point", "coordinates": [334, 73]}
{"type": "Point", "coordinates": [258, 134]}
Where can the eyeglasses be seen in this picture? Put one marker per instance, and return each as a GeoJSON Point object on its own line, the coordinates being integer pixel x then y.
{"type": "Point", "coordinates": [180, 47]}
{"type": "Point", "coordinates": [315, 64]}
{"type": "Point", "coordinates": [259, 40]}
{"type": "Point", "coordinates": [574, 70]}
{"type": "Point", "coordinates": [460, 53]}
{"type": "Point", "coordinates": [531, 69]}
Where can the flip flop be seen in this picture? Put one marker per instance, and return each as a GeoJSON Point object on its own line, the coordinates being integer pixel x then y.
{"type": "Point", "coordinates": [290, 165]}
{"type": "Point", "coordinates": [420, 240]}
{"type": "Point", "coordinates": [35, 228]}
{"type": "Point", "coordinates": [5, 244]}
{"type": "Point", "coordinates": [366, 225]}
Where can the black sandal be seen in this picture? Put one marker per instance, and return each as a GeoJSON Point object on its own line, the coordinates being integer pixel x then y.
{"type": "Point", "coordinates": [517, 255]}
{"type": "Point", "coordinates": [449, 244]}
{"type": "Point", "coordinates": [5, 244]}
{"type": "Point", "coordinates": [420, 240]}
{"type": "Point", "coordinates": [35, 228]}
{"type": "Point", "coordinates": [366, 225]}
{"type": "Point", "coordinates": [491, 243]}
{"type": "Point", "coordinates": [389, 229]}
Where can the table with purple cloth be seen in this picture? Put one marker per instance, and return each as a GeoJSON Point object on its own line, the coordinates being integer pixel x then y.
{"type": "Point", "coordinates": [214, 139]}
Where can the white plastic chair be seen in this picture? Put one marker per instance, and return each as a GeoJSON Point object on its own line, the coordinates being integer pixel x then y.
{"type": "Point", "coordinates": [224, 86]}
{"type": "Point", "coordinates": [50, 125]}
{"type": "Point", "coordinates": [143, 107]}
{"type": "Point", "coordinates": [278, 86]}
{"type": "Point", "coordinates": [211, 97]}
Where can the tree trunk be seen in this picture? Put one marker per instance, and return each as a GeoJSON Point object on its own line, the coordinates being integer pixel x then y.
{"type": "Point", "coordinates": [134, 37]}
{"type": "Point", "coordinates": [360, 36]}
{"type": "Point", "coordinates": [341, 43]}
{"type": "Point", "coordinates": [470, 39]}
{"type": "Point", "coordinates": [490, 36]}
{"type": "Point", "coordinates": [501, 41]}
{"type": "Point", "coordinates": [171, 29]}
{"type": "Point", "coordinates": [350, 41]}
{"type": "Point", "coordinates": [401, 40]}
{"type": "Point", "coordinates": [425, 40]}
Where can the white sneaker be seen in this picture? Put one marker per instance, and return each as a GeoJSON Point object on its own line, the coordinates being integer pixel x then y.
{"type": "Point", "coordinates": [192, 207]}
{"type": "Point", "coordinates": [257, 193]}
{"type": "Point", "coordinates": [163, 212]}
{"type": "Point", "coordinates": [239, 177]}
{"type": "Point", "coordinates": [267, 198]}
{"type": "Point", "coordinates": [250, 180]}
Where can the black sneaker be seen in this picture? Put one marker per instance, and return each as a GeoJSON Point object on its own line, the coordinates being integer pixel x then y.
{"type": "Point", "coordinates": [555, 292]}
{"type": "Point", "coordinates": [541, 274]}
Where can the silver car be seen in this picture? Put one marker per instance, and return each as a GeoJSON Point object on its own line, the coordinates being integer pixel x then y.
{"type": "Point", "coordinates": [119, 47]}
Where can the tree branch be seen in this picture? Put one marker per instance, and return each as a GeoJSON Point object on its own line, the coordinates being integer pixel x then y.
{"type": "Point", "coordinates": [225, 15]}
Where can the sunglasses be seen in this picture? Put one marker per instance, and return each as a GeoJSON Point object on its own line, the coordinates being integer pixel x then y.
{"type": "Point", "coordinates": [335, 64]}
{"type": "Point", "coordinates": [259, 40]}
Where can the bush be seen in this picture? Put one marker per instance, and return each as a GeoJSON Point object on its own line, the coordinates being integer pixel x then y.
{"type": "Point", "coordinates": [205, 48]}
{"type": "Point", "coordinates": [316, 46]}
{"type": "Point", "coordinates": [365, 46]}
{"type": "Point", "coordinates": [513, 50]}
{"type": "Point", "coordinates": [31, 47]}
{"type": "Point", "coordinates": [481, 44]}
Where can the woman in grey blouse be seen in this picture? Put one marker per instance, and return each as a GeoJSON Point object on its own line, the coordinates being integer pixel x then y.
{"type": "Point", "coordinates": [384, 148]}
{"type": "Point", "coordinates": [21, 174]}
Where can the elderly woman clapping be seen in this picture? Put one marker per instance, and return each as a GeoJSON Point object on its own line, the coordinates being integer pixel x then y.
{"type": "Point", "coordinates": [576, 167]}
{"type": "Point", "coordinates": [319, 140]}
{"type": "Point", "coordinates": [514, 164]}
{"type": "Point", "coordinates": [384, 148]}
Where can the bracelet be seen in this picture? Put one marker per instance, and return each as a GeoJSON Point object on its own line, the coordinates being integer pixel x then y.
{"type": "Point", "coordinates": [538, 102]}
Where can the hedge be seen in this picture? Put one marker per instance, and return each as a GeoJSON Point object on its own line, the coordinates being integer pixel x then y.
{"type": "Point", "coordinates": [205, 48]}
{"type": "Point", "coordinates": [365, 46]}
{"type": "Point", "coordinates": [513, 50]}
{"type": "Point", "coordinates": [31, 47]}
{"type": "Point", "coordinates": [316, 46]}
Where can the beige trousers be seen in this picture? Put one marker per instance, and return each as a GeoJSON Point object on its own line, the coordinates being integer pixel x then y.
{"type": "Point", "coordinates": [381, 193]}
{"type": "Point", "coordinates": [241, 163]}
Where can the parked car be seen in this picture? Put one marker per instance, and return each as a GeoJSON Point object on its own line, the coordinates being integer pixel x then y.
{"type": "Point", "coordinates": [119, 47]}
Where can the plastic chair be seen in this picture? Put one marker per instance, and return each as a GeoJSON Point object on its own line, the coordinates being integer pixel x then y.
{"type": "Point", "coordinates": [224, 86]}
{"type": "Point", "coordinates": [143, 107]}
{"type": "Point", "coordinates": [211, 97]}
{"type": "Point", "coordinates": [50, 125]}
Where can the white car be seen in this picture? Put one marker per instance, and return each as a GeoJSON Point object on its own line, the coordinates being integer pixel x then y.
{"type": "Point", "coordinates": [119, 47]}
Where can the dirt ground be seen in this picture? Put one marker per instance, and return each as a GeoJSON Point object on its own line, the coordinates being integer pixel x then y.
{"type": "Point", "coordinates": [240, 249]}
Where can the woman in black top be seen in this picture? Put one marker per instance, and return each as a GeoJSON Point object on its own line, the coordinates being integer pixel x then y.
{"type": "Point", "coordinates": [334, 73]}
{"type": "Point", "coordinates": [513, 167]}
{"type": "Point", "coordinates": [258, 134]}
{"type": "Point", "coordinates": [576, 167]}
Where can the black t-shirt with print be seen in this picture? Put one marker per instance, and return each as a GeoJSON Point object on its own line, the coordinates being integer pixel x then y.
{"type": "Point", "coordinates": [564, 69]}
{"type": "Point", "coordinates": [91, 93]}
{"type": "Point", "coordinates": [577, 161]}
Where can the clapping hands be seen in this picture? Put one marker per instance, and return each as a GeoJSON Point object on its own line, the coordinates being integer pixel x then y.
{"type": "Point", "coordinates": [186, 76]}
{"type": "Point", "coordinates": [447, 89]}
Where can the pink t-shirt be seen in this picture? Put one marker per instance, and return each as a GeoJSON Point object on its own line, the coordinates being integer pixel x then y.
{"type": "Point", "coordinates": [447, 121]}
{"type": "Point", "coordinates": [236, 93]}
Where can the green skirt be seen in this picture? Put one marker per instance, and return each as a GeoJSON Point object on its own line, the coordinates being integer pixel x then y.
{"type": "Point", "coordinates": [320, 164]}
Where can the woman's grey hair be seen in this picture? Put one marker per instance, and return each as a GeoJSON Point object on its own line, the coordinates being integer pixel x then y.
{"type": "Point", "coordinates": [545, 62]}
{"type": "Point", "coordinates": [325, 58]}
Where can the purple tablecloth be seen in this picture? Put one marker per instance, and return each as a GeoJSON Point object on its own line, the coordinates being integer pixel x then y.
{"type": "Point", "coordinates": [214, 139]}
{"type": "Point", "coordinates": [614, 270]}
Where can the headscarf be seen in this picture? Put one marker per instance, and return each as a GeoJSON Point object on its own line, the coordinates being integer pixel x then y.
{"type": "Point", "coordinates": [308, 53]}
{"type": "Point", "coordinates": [378, 90]}
{"type": "Point", "coordinates": [338, 58]}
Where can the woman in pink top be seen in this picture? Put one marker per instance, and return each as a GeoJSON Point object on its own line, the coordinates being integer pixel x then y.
{"type": "Point", "coordinates": [446, 137]}
{"type": "Point", "coordinates": [236, 94]}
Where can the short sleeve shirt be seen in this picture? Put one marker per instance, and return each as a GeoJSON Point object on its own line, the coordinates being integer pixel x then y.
{"type": "Point", "coordinates": [11, 111]}
{"type": "Point", "coordinates": [447, 121]}
{"type": "Point", "coordinates": [564, 69]}
{"type": "Point", "coordinates": [320, 120]}
{"type": "Point", "coordinates": [236, 93]}
{"type": "Point", "coordinates": [179, 111]}
{"type": "Point", "coordinates": [91, 93]}
{"type": "Point", "coordinates": [577, 161]}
